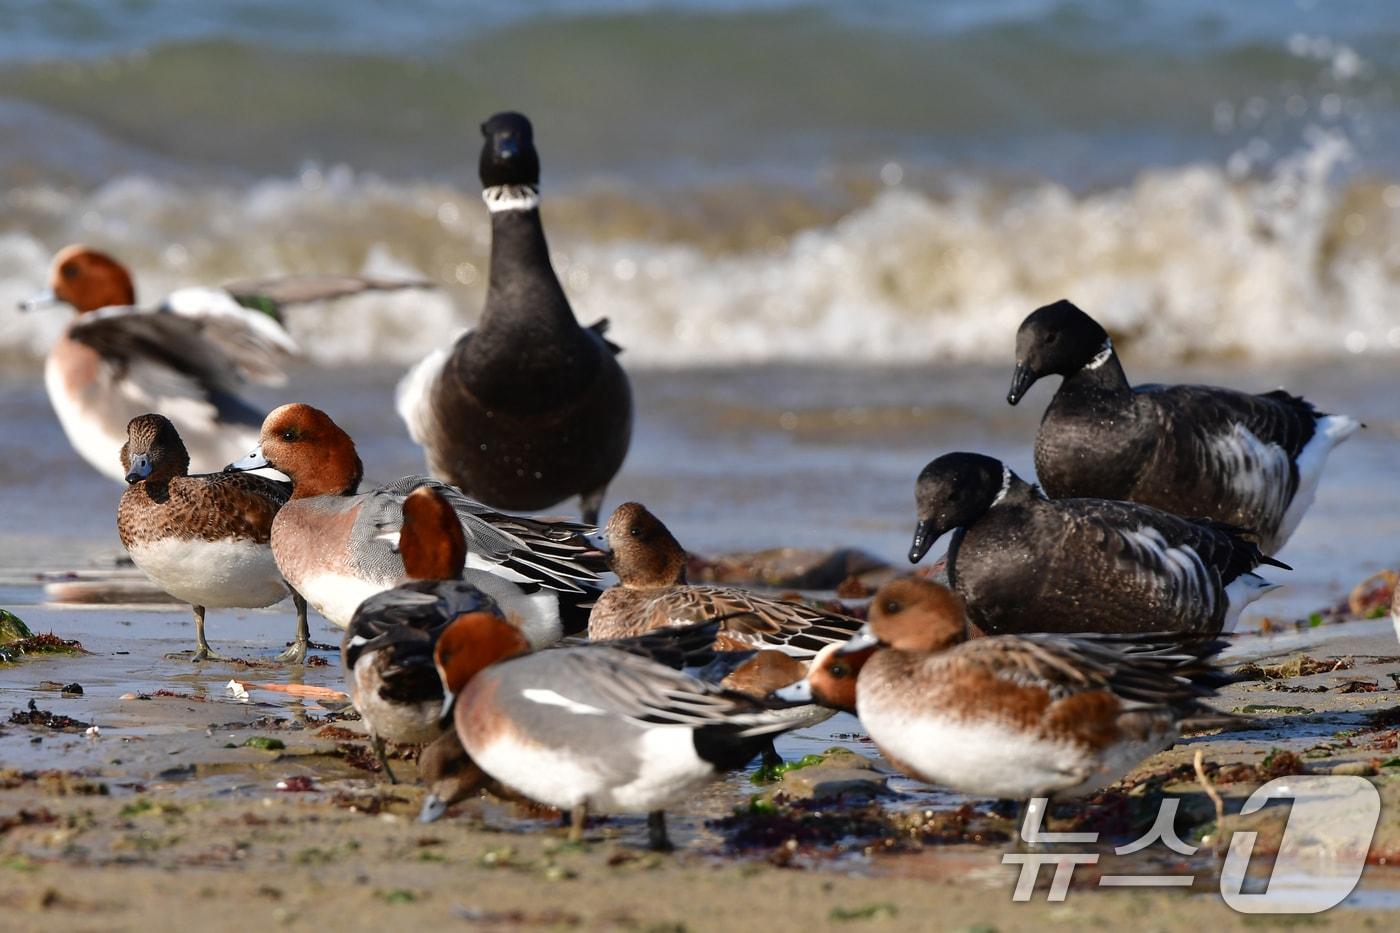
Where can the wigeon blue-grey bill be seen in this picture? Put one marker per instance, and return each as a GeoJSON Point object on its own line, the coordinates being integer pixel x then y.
{"type": "Point", "coordinates": [529, 409]}
{"type": "Point", "coordinates": [1253, 461]}
{"type": "Point", "coordinates": [1025, 563]}
{"type": "Point", "coordinates": [338, 546]}
{"type": "Point", "coordinates": [204, 539]}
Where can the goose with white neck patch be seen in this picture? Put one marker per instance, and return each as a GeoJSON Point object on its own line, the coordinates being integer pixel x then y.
{"type": "Point", "coordinates": [1249, 460]}
{"type": "Point", "coordinates": [1025, 563]}
{"type": "Point", "coordinates": [529, 408]}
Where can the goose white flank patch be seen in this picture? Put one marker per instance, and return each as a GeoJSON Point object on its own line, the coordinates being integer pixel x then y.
{"type": "Point", "coordinates": [652, 593]}
{"type": "Point", "coordinates": [599, 727]}
{"type": "Point", "coordinates": [1025, 563]}
{"type": "Point", "coordinates": [204, 539]}
{"type": "Point", "coordinates": [1253, 461]}
{"type": "Point", "coordinates": [1010, 716]}
{"type": "Point", "coordinates": [387, 649]}
{"type": "Point", "coordinates": [528, 409]}
{"type": "Point", "coordinates": [334, 543]}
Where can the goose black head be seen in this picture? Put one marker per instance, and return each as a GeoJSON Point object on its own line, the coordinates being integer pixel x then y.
{"type": "Point", "coordinates": [953, 492]}
{"type": "Point", "coordinates": [1057, 339]}
{"type": "Point", "coordinates": [508, 154]}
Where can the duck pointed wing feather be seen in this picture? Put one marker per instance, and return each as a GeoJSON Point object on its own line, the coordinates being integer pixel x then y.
{"type": "Point", "coordinates": [751, 619]}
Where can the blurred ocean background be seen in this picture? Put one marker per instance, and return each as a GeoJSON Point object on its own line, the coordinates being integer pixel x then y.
{"type": "Point", "coordinates": [865, 198]}
{"type": "Point", "coordinates": [892, 181]}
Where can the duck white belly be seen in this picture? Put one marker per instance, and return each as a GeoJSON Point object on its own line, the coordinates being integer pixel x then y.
{"type": "Point", "coordinates": [664, 766]}
{"type": "Point", "coordinates": [337, 595]}
{"type": "Point", "coordinates": [227, 573]}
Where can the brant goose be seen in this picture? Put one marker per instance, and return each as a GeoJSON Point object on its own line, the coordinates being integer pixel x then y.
{"type": "Point", "coordinates": [1010, 716]}
{"type": "Point", "coordinates": [387, 650]}
{"type": "Point", "coordinates": [529, 408]}
{"type": "Point", "coordinates": [336, 545]}
{"type": "Point", "coordinates": [601, 727]}
{"type": "Point", "coordinates": [1249, 460]}
{"type": "Point", "coordinates": [203, 539]}
{"type": "Point", "coordinates": [1025, 563]}
{"type": "Point", "coordinates": [652, 594]}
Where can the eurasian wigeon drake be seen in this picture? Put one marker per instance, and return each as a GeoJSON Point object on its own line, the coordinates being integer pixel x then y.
{"type": "Point", "coordinates": [338, 546]}
{"type": "Point", "coordinates": [1249, 460]}
{"type": "Point", "coordinates": [595, 728]}
{"type": "Point", "coordinates": [528, 409]}
{"type": "Point", "coordinates": [387, 649]}
{"type": "Point", "coordinates": [204, 539]}
{"type": "Point", "coordinates": [189, 358]}
{"type": "Point", "coordinates": [1010, 716]}
{"type": "Point", "coordinates": [652, 593]}
{"type": "Point", "coordinates": [1025, 563]}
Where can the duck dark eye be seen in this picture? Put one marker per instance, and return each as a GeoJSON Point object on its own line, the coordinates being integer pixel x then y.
{"type": "Point", "coordinates": [1052, 336]}
{"type": "Point", "coordinates": [892, 607]}
{"type": "Point", "coordinates": [69, 270]}
{"type": "Point", "coordinates": [289, 435]}
{"type": "Point", "coordinates": [840, 669]}
{"type": "Point", "coordinates": [634, 531]}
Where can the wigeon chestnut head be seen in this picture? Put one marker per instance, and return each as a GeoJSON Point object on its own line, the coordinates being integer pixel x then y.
{"type": "Point", "coordinates": [191, 356]}
{"type": "Point", "coordinates": [388, 647]}
{"type": "Point", "coordinates": [914, 614]}
{"type": "Point", "coordinates": [602, 727]}
{"type": "Point", "coordinates": [1252, 461]}
{"type": "Point", "coordinates": [339, 546]}
{"type": "Point", "coordinates": [1025, 563]}
{"type": "Point", "coordinates": [204, 539]}
{"type": "Point", "coordinates": [652, 594]}
{"type": "Point", "coordinates": [529, 408]}
{"type": "Point", "coordinates": [1011, 716]}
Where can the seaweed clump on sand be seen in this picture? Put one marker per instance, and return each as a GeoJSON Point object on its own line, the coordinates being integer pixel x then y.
{"type": "Point", "coordinates": [33, 716]}
{"type": "Point", "coordinates": [16, 640]}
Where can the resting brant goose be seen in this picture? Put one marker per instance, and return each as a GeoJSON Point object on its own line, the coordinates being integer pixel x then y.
{"type": "Point", "coordinates": [1025, 563]}
{"type": "Point", "coordinates": [1250, 460]}
{"type": "Point", "coordinates": [529, 408]}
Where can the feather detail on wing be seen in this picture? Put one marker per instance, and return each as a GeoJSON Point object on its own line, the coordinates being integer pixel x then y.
{"type": "Point", "coordinates": [755, 621]}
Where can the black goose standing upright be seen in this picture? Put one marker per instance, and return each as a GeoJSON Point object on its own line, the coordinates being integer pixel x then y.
{"type": "Point", "coordinates": [529, 408]}
{"type": "Point", "coordinates": [1025, 563]}
{"type": "Point", "coordinates": [1249, 460]}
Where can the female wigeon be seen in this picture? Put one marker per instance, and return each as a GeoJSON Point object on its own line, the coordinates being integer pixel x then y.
{"type": "Point", "coordinates": [528, 409]}
{"type": "Point", "coordinates": [337, 546]}
{"type": "Point", "coordinates": [595, 727]}
{"type": "Point", "coordinates": [652, 593]}
{"type": "Point", "coordinates": [203, 539]}
{"type": "Point", "coordinates": [1025, 563]}
{"type": "Point", "coordinates": [189, 358]}
{"type": "Point", "coordinates": [1009, 716]}
{"type": "Point", "coordinates": [1250, 460]}
{"type": "Point", "coordinates": [387, 650]}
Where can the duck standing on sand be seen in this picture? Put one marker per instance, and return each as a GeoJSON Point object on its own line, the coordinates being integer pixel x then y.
{"type": "Point", "coordinates": [529, 408]}
{"type": "Point", "coordinates": [1010, 716]}
{"type": "Point", "coordinates": [1025, 563]}
{"type": "Point", "coordinates": [1253, 461]}
{"type": "Point", "coordinates": [336, 545]}
{"type": "Point", "coordinates": [387, 650]}
{"type": "Point", "coordinates": [652, 594]}
{"type": "Point", "coordinates": [204, 539]}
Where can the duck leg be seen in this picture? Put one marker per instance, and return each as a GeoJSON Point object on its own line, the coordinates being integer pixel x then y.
{"type": "Point", "coordinates": [577, 817]}
{"type": "Point", "coordinates": [202, 651]}
{"type": "Point", "coordinates": [770, 757]}
{"type": "Point", "coordinates": [657, 840]}
{"type": "Point", "coordinates": [378, 745]}
{"type": "Point", "coordinates": [590, 504]}
{"type": "Point", "coordinates": [296, 654]}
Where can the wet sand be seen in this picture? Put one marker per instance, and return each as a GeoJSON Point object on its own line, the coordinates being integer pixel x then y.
{"type": "Point", "coordinates": [169, 819]}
